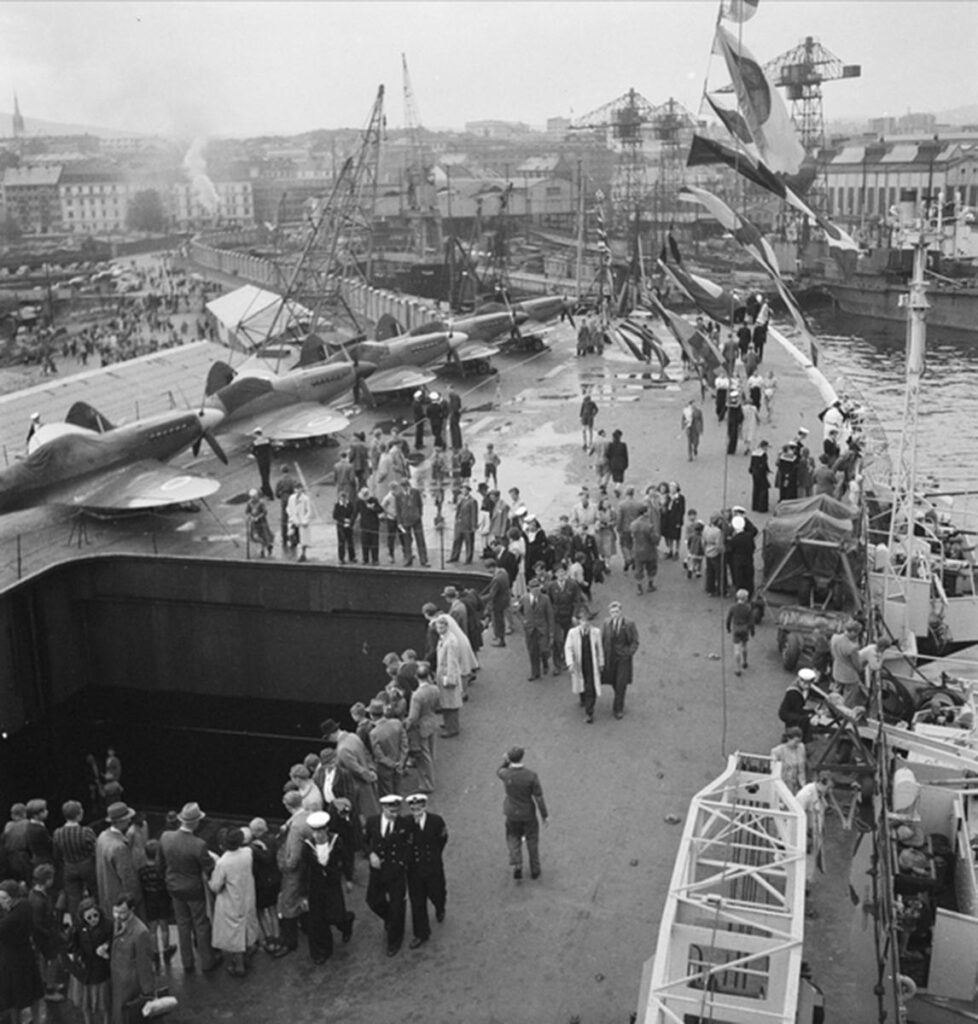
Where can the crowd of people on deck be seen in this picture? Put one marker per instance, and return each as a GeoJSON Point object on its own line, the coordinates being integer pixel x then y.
{"type": "Point", "coordinates": [234, 890]}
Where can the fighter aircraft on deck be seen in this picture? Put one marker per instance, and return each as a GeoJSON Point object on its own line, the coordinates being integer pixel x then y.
{"type": "Point", "coordinates": [86, 462]}
{"type": "Point", "coordinates": [406, 361]}
{"type": "Point", "coordinates": [284, 390]}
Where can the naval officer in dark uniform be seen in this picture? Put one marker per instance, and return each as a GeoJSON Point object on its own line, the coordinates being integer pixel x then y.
{"type": "Point", "coordinates": [386, 842]}
{"type": "Point", "coordinates": [427, 835]}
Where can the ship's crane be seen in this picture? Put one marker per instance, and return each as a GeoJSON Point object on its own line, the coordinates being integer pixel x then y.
{"type": "Point", "coordinates": [422, 209]}
{"type": "Point", "coordinates": [339, 237]}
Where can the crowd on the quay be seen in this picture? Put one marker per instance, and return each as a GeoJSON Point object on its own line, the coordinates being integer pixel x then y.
{"type": "Point", "coordinates": [165, 309]}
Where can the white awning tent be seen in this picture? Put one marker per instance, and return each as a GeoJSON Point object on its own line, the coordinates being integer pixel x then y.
{"type": "Point", "coordinates": [245, 317]}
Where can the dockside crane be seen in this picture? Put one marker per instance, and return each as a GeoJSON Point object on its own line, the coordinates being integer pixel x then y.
{"type": "Point", "coordinates": [639, 210]}
{"type": "Point", "coordinates": [339, 235]}
{"type": "Point", "coordinates": [801, 72]}
{"type": "Point", "coordinates": [422, 208]}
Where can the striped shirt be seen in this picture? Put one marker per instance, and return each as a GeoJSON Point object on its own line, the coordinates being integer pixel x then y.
{"type": "Point", "coordinates": [74, 843]}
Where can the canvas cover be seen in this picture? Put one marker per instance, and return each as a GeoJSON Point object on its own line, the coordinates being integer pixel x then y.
{"type": "Point", "coordinates": [246, 316]}
{"type": "Point", "coordinates": [819, 517]}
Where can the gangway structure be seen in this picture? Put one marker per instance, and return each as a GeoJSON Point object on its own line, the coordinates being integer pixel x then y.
{"type": "Point", "coordinates": [731, 933]}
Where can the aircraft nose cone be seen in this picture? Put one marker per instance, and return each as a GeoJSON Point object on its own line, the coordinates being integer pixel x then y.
{"type": "Point", "coordinates": [210, 418]}
{"type": "Point", "coordinates": [365, 369]}
{"type": "Point", "coordinates": [457, 338]}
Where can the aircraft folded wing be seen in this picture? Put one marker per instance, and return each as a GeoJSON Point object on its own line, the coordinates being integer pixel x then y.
{"type": "Point", "coordinates": [472, 350]}
{"type": "Point", "coordinates": [297, 422]}
{"type": "Point", "coordinates": [140, 485]}
{"type": "Point", "coordinates": [398, 378]}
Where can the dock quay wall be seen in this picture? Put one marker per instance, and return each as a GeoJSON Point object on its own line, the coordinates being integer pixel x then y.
{"type": "Point", "coordinates": [366, 301]}
{"type": "Point", "coordinates": [197, 654]}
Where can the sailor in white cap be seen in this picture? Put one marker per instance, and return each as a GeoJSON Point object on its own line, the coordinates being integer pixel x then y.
{"type": "Point", "coordinates": [427, 836]}
{"type": "Point", "coordinates": [323, 856]}
{"type": "Point", "coordinates": [386, 842]}
{"type": "Point", "coordinates": [792, 710]}
{"type": "Point", "coordinates": [261, 452]}
{"type": "Point", "coordinates": [35, 423]}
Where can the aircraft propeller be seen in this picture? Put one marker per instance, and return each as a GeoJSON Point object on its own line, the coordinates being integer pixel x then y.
{"type": "Point", "coordinates": [206, 435]}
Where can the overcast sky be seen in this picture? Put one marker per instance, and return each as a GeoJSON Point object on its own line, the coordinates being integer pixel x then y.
{"type": "Point", "coordinates": [246, 68]}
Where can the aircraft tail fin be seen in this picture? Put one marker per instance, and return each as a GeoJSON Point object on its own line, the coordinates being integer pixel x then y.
{"type": "Point", "coordinates": [388, 327]}
{"type": "Point", "coordinates": [313, 351]}
{"type": "Point", "coordinates": [81, 414]}
{"type": "Point", "coordinates": [218, 376]}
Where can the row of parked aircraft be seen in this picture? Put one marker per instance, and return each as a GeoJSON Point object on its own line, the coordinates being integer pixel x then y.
{"type": "Point", "coordinates": [289, 389]}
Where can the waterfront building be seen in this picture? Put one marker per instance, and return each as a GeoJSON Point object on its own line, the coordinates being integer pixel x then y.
{"type": "Point", "coordinates": [93, 200]}
{"type": "Point", "coordinates": [864, 178]}
{"type": "Point", "coordinates": [31, 198]}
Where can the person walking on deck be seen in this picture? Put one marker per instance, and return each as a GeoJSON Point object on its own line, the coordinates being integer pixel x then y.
{"type": "Point", "coordinates": [524, 799]}
{"type": "Point", "coordinates": [619, 642]}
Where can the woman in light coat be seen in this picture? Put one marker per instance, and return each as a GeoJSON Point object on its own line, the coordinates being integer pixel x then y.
{"type": "Point", "coordinates": [448, 673]}
{"type": "Point", "coordinates": [299, 511]}
{"type": "Point", "coordinates": [235, 926]}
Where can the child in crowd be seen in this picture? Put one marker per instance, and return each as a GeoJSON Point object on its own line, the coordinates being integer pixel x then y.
{"type": "Point", "coordinates": [158, 907]}
{"type": "Point", "coordinates": [740, 624]}
{"type": "Point", "coordinates": [492, 461]}
{"type": "Point", "coordinates": [769, 390]}
{"type": "Point", "coordinates": [693, 545]}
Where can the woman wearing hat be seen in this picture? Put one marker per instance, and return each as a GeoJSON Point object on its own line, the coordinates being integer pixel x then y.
{"type": "Point", "coordinates": [323, 853]}
{"type": "Point", "coordinates": [235, 928]}
{"type": "Point", "coordinates": [760, 474]}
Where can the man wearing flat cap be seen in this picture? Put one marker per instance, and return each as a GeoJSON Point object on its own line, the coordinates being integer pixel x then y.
{"type": "Point", "coordinates": [426, 839]}
{"type": "Point", "coordinates": [115, 872]}
{"type": "Point", "coordinates": [385, 837]}
{"type": "Point", "coordinates": [185, 862]}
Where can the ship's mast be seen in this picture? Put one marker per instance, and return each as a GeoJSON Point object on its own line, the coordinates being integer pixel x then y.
{"type": "Point", "coordinates": [907, 576]}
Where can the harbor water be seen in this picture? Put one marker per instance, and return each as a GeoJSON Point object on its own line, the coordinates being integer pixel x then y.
{"type": "Point", "coordinates": [867, 358]}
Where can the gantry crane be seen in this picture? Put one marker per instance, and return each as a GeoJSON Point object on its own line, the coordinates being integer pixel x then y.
{"type": "Point", "coordinates": [801, 72]}
{"type": "Point", "coordinates": [636, 205]}
{"type": "Point", "coordinates": [624, 118]}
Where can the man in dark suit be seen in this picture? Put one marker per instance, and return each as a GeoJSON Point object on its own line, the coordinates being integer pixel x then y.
{"type": "Point", "coordinates": [538, 627]}
{"type": "Point", "coordinates": [186, 862]}
{"type": "Point", "coordinates": [422, 726]}
{"type": "Point", "coordinates": [619, 640]}
{"type": "Point", "coordinates": [385, 835]}
{"type": "Point", "coordinates": [497, 596]}
{"type": "Point", "coordinates": [426, 839]}
{"type": "Point", "coordinates": [524, 797]}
